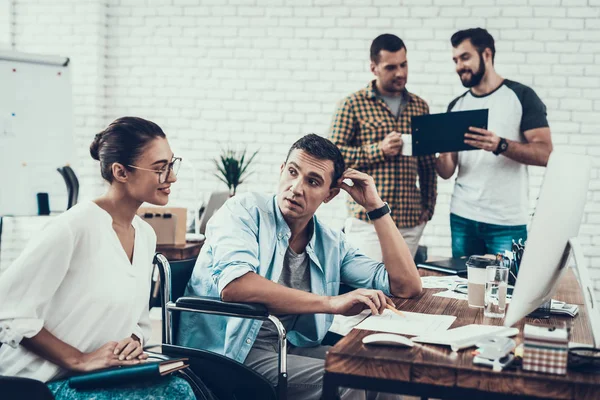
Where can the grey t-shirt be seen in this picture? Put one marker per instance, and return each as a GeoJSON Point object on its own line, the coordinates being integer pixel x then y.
{"type": "Point", "coordinates": [395, 103]}
{"type": "Point", "coordinates": [296, 275]}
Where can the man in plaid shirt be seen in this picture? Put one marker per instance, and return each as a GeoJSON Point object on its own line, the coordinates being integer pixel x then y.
{"type": "Point", "coordinates": [367, 128]}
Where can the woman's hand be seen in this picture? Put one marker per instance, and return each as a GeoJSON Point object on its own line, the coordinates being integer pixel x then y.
{"type": "Point", "coordinates": [129, 349]}
{"type": "Point", "coordinates": [104, 357]}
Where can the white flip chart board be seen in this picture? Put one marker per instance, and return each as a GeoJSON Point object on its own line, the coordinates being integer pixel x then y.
{"type": "Point", "coordinates": [36, 131]}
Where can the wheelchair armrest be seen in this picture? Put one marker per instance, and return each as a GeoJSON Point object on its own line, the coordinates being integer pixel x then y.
{"type": "Point", "coordinates": [152, 355]}
{"type": "Point", "coordinates": [215, 305]}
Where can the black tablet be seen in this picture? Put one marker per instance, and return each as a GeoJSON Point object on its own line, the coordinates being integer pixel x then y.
{"type": "Point", "coordinates": [457, 266]}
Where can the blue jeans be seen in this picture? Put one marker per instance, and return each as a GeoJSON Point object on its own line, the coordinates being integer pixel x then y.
{"type": "Point", "coordinates": [166, 388]}
{"type": "Point", "coordinates": [471, 237]}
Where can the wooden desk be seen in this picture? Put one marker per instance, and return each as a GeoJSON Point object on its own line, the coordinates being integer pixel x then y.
{"type": "Point", "coordinates": [433, 371]}
{"type": "Point", "coordinates": [180, 252]}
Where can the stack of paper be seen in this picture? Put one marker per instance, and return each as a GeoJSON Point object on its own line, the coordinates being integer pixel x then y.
{"type": "Point", "coordinates": [441, 282]}
{"type": "Point", "coordinates": [562, 308]}
{"type": "Point", "coordinates": [408, 324]}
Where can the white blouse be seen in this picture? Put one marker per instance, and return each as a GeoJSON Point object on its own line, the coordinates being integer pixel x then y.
{"type": "Point", "coordinates": [75, 280]}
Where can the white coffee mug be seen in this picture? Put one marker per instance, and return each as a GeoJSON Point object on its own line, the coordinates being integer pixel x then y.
{"type": "Point", "coordinates": [406, 144]}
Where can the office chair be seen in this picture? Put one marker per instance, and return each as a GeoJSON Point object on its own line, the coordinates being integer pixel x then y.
{"type": "Point", "coordinates": [200, 389]}
{"type": "Point", "coordinates": [74, 194]}
{"type": "Point", "coordinates": [72, 184]}
{"type": "Point", "coordinates": [226, 378]}
{"type": "Point", "coordinates": [62, 173]}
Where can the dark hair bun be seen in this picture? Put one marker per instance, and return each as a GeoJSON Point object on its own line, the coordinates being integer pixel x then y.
{"type": "Point", "coordinates": [123, 141]}
{"type": "Point", "coordinates": [95, 147]}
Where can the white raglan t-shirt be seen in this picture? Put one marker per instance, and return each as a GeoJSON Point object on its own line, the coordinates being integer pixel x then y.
{"type": "Point", "coordinates": [489, 188]}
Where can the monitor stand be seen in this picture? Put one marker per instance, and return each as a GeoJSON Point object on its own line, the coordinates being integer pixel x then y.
{"type": "Point", "coordinates": [587, 290]}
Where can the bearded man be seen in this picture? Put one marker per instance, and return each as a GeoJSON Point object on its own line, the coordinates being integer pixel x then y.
{"type": "Point", "coordinates": [489, 205]}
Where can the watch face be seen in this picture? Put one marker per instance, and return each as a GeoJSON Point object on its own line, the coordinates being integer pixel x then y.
{"type": "Point", "coordinates": [504, 145]}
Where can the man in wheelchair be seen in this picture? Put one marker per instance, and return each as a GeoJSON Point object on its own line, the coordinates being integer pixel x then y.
{"type": "Point", "coordinates": [273, 250]}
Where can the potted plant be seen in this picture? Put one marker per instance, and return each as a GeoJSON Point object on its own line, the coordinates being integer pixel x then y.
{"type": "Point", "coordinates": [232, 167]}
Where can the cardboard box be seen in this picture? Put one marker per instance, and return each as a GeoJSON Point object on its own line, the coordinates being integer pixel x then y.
{"type": "Point", "coordinates": [169, 230]}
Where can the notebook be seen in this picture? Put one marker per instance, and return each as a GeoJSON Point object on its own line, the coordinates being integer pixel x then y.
{"type": "Point", "coordinates": [145, 371]}
{"type": "Point", "coordinates": [443, 133]}
{"type": "Point", "coordinates": [457, 266]}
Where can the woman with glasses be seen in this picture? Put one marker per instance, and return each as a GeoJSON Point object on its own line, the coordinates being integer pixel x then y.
{"type": "Point", "coordinates": [76, 299]}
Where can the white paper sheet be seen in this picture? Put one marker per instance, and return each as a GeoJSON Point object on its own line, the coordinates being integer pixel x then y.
{"type": "Point", "coordinates": [451, 294]}
{"type": "Point", "coordinates": [441, 282]}
{"type": "Point", "coordinates": [408, 324]}
{"type": "Point", "coordinates": [342, 325]}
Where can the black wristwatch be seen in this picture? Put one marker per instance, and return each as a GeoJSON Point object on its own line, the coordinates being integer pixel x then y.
{"type": "Point", "coordinates": [379, 212]}
{"type": "Point", "coordinates": [502, 146]}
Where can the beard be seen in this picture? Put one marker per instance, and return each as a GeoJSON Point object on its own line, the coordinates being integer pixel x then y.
{"type": "Point", "coordinates": [395, 86]}
{"type": "Point", "coordinates": [476, 77]}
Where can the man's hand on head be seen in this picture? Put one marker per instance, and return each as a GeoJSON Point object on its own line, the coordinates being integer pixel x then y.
{"type": "Point", "coordinates": [363, 190]}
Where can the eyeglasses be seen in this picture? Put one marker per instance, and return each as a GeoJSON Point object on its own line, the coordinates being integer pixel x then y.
{"type": "Point", "coordinates": [163, 173]}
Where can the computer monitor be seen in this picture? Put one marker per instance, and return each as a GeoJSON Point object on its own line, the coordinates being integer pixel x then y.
{"type": "Point", "coordinates": [552, 237]}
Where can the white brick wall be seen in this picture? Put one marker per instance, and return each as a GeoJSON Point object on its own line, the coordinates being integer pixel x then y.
{"type": "Point", "coordinates": [75, 29]}
{"type": "Point", "coordinates": [5, 24]}
{"type": "Point", "coordinates": [260, 73]}
{"type": "Point", "coordinates": [16, 232]}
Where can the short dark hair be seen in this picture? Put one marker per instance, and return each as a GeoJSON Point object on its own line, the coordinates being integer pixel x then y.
{"type": "Point", "coordinates": [479, 37]}
{"type": "Point", "coordinates": [123, 141]}
{"type": "Point", "coordinates": [323, 149]}
{"type": "Point", "coordinates": [387, 42]}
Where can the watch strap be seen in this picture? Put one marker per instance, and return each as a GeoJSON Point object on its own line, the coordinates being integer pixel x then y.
{"type": "Point", "coordinates": [379, 212]}
{"type": "Point", "coordinates": [502, 146]}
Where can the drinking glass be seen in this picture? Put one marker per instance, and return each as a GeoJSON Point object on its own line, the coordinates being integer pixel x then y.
{"type": "Point", "coordinates": [496, 285]}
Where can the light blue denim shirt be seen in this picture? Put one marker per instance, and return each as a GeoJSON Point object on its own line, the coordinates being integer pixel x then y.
{"type": "Point", "coordinates": [249, 234]}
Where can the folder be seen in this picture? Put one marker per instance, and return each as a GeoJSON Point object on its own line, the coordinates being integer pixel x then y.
{"type": "Point", "coordinates": [145, 371]}
{"type": "Point", "coordinates": [443, 133]}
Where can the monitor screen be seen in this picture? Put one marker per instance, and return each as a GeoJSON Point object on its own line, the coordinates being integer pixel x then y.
{"type": "Point", "coordinates": [556, 220]}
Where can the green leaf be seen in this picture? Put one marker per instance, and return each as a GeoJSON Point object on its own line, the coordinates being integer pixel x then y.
{"type": "Point", "coordinates": [232, 166]}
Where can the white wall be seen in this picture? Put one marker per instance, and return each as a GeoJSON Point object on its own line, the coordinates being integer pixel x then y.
{"type": "Point", "coordinates": [261, 73]}
{"type": "Point", "coordinates": [5, 24]}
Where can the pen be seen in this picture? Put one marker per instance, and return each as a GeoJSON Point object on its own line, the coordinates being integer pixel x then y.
{"type": "Point", "coordinates": [394, 310]}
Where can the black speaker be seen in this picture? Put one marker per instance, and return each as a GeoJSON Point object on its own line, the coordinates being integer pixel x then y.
{"type": "Point", "coordinates": [43, 204]}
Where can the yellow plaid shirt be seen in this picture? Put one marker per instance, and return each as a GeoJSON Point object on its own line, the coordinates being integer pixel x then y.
{"type": "Point", "coordinates": [360, 124]}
